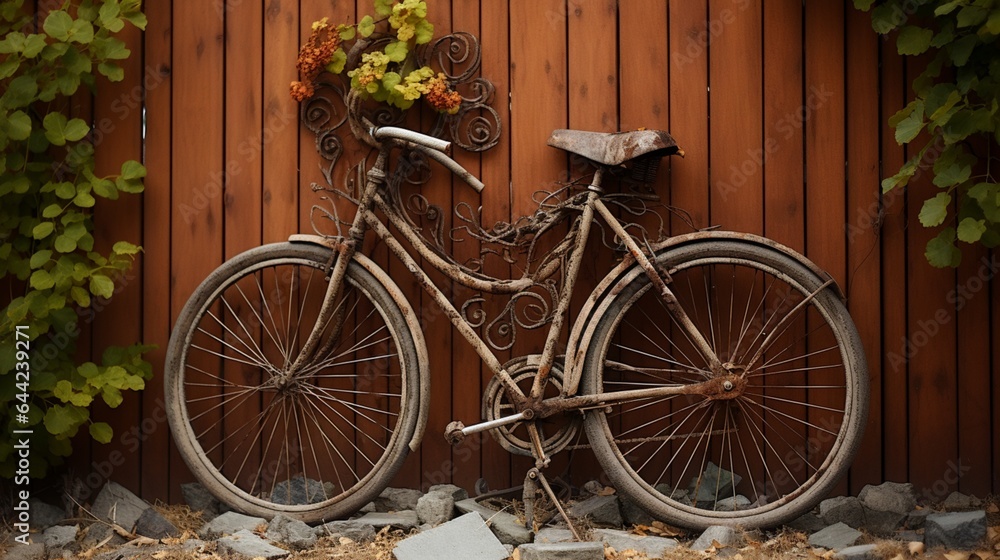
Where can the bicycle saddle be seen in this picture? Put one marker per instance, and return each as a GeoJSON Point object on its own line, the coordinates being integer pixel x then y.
{"type": "Point", "coordinates": [613, 148]}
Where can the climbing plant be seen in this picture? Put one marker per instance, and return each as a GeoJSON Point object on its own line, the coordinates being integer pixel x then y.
{"type": "Point", "coordinates": [52, 278]}
{"type": "Point", "coordinates": [956, 103]}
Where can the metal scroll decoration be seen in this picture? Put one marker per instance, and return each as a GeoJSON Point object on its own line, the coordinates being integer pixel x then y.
{"type": "Point", "coordinates": [534, 246]}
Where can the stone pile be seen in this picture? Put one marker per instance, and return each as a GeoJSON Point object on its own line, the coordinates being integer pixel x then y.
{"type": "Point", "coordinates": [445, 522]}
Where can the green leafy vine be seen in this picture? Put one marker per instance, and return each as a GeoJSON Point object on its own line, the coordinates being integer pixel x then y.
{"type": "Point", "coordinates": [956, 104]}
{"type": "Point", "coordinates": [55, 279]}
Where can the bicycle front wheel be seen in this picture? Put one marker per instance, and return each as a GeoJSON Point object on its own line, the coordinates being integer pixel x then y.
{"type": "Point", "coordinates": [796, 416]}
{"type": "Point", "coordinates": [314, 443]}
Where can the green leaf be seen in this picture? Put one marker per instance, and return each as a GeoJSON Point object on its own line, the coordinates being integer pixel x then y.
{"type": "Point", "coordinates": [82, 32]}
{"type": "Point", "coordinates": [347, 32]}
{"type": "Point", "coordinates": [40, 258]}
{"type": "Point", "coordinates": [993, 23]}
{"type": "Point", "coordinates": [101, 285]}
{"type": "Point", "coordinates": [101, 432]}
{"type": "Point", "coordinates": [971, 15]}
{"type": "Point", "coordinates": [76, 129]}
{"type": "Point", "coordinates": [111, 71]}
{"type": "Point", "coordinates": [366, 26]}
{"type": "Point", "coordinates": [12, 43]}
{"type": "Point", "coordinates": [137, 19]}
{"type": "Point", "coordinates": [384, 7]}
{"type": "Point", "coordinates": [884, 18]}
{"type": "Point", "coordinates": [424, 32]}
{"type": "Point", "coordinates": [125, 248]}
{"type": "Point", "coordinates": [33, 45]}
{"type": "Point", "coordinates": [66, 190]}
{"type": "Point", "coordinates": [913, 40]}
{"type": "Point", "coordinates": [909, 127]}
{"type": "Point", "coordinates": [960, 50]}
{"type": "Point", "coordinates": [55, 128]}
{"type": "Point", "coordinates": [58, 25]}
{"type": "Point", "coordinates": [41, 280]}
{"type": "Point", "coordinates": [397, 51]}
{"type": "Point", "coordinates": [953, 175]}
{"type": "Point", "coordinates": [63, 390]}
{"type": "Point", "coordinates": [971, 230]}
{"type": "Point", "coordinates": [935, 210]}
{"type": "Point", "coordinates": [64, 419]}
{"type": "Point", "coordinates": [390, 80]}
{"type": "Point", "coordinates": [80, 296]}
{"type": "Point", "coordinates": [941, 251]}
{"type": "Point", "coordinates": [88, 370]}
{"type": "Point", "coordinates": [132, 170]}
{"type": "Point", "coordinates": [959, 127]}
{"type": "Point", "coordinates": [337, 61]}
{"type": "Point", "coordinates": [108, 15]}
{"type": "Point", "coordinates": [51, 211]}
{"type": "Point", "coordinates": [863, 5]}
{"type": "Point", "coordinates": [19, 126]}
{"type": "Point", "coordinates": [953, 98]}
{"type": "Point", "coordinates": [84, 199]}
{"type": "Point", "coordinates": [8, 67]}
{"type": "Point", "coordinates": [43, 230]}
{"type": "Point", "coordinates": [947, 7]}
{"type": "Point", "coordinates": [21, 91]}
{"type": "Point", "coordinates": [112, 396]}
{"type": "Point", "coordinates": [65, 244]}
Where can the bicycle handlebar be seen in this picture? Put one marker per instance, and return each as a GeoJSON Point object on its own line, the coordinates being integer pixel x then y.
{"type": "Point", "coordinates": [436, 148]}
{"type": "Point", "coordinates": [411, 136]}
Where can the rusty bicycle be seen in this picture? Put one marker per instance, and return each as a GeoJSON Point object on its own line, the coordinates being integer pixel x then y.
{"type": "Point", "coordinates": [717, 376]}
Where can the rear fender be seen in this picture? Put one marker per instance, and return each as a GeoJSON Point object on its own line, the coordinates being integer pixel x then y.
{"type": "Point", "coordinates": [412, 321]}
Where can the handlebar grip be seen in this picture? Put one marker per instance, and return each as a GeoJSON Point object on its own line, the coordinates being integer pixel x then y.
{"type": "Point", "coordinates": [411, 136]}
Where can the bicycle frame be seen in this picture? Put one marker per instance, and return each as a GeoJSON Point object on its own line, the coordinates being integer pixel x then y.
{"type": "Point", "coordinates": [530, 405]}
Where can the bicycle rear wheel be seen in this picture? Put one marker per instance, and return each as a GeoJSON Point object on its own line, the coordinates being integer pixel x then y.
{"type": "Point", "coordinates": [314, 444]}
{"type": "Point", "coordinates": [763, 457]}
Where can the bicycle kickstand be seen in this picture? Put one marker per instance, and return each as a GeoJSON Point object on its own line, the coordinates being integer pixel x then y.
{"type": "Point", "coordinates": [531, 483]}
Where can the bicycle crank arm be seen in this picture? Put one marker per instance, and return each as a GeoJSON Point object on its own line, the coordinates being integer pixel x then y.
{"type": "Point", "coordinates": [456, 431]}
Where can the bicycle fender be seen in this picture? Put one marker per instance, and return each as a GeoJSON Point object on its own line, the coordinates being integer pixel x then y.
{"type": "Point", "coordinates": [412, 321]}
{"type": "Point", "coordinates": [603, 294]}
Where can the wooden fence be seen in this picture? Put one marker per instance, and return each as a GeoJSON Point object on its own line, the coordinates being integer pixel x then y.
{"type": "Point", "coordinates": [780, 106]}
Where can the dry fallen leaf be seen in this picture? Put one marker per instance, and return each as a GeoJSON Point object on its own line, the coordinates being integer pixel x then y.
{"type": "Point", "coordinates": [897, 557]}
{"type": "Point", "coordinates": [606, 491]}
{"type": "Point", "coordinates": [516, 555]}
{"type": "Point", "coordinates": [915, 547]}
{"type": "Point", "coordinates": [956, 555]}
{"type": "Point", "coordinates": [993, 508]}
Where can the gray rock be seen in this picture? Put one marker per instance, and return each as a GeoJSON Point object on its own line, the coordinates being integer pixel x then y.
{"type": "Point", "coordinates": [910, 536]}
{"type": "Point", "coordinates": [726, 536]}
{"type": "Point", "coordinates": [916, 518]}
{"type": "Point", "coordinates": [808, 522]}
{"type": "Point", "coordinates": [562, 551]}
{"type": "Point", "coordinates": [510, 549]}
{"type": "Point", "coordinates": [229, 523]}
{"type": "Point", "coordinates": [959, 501]}
{"type": "Point", "coordinates": [153, 525]}
{"type": "Point", "coordinates": [457, 493]}
{"type": "Point", "coordinates": [368, 508]}
{"type": "Point", "coordinates": [248, 544]}
{"type": "Point", "coordinates": [962, 530]}
{"type": "Point", "coordinates": [292, 532]}
{"type": "Point", "coordinates": [198, 498]}
{"type": "Point", "coordinates": [44, 515]}
{"type": "Point", "coordinates": [632, 513]}
{"type": "Point", "coordinates": [59, 536]}
{"type": "Point", "coordinates": [835, 537]}
{"type": "Point", "coordinates": [404, 520]}
{"type": "Point", "coordinates": [505, 526]}
{"type": "Point", "coordinates": [33, 551]}
{"type": "Point", "coordinates": [886, 506]}
{"type": "Point", "coordinates": [652, 546]}
{"type": "Point", "coordinates": [298, 491]}
{"type": "Point", "coordinates": [600, 510]}
{"type": "Point", "coordinates": [553, 535]}
{"type": "Point", "coordinates": [714, 483]}
{"type": "Point", "coordinates": [466, 537]}
{"type": "Point", "coordinates": [397, 499]}
{"type": "Point", "coordinates": [352, 529]}
{"type": "Point", "coordinates": [858, 552]}
{"type": "Point", "coordinates": [115, 504]}
{"type": "Point", "coordinates": [734, 503]}
{"type": "Point", "coordinates": [98, 533]}
{"type": "Point", "coordinates": [436, 507]}
{"type": "Point", "coordinates": [842, 509]}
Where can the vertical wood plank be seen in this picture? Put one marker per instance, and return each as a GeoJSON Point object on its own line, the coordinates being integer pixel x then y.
{"type": "Point", "coordinates": [156, 244]}
{"type": "Point", "coordinates": [895, 402]}
{"type": "Point", "coordinates": [864, 257]}
{"type": "Point", "coordinates": [497, 200]}
{"type": "Point", "coordinates": [117, 112]}
{"type": "Point", "coordinates": [197, 144]}
{"type": "Point", "coordinates": [930, 341]}
{"type": "Point", "coordinates": [281, 182]}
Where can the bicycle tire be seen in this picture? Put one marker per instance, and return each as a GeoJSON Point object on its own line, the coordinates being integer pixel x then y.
{"type": "Point", "coordinates": [345, 420]}
{"type": "Point", "coordinates": [780, 416]}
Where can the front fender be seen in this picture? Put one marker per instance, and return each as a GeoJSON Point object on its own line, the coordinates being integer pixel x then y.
{"type": "Point", "coordinates": [423, 363]}
{"type": "Point", "coordinates": [580, 335]}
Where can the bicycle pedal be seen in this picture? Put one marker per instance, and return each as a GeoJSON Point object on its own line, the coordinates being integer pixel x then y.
{"type": "Point", "coordinates": [453, 432]}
